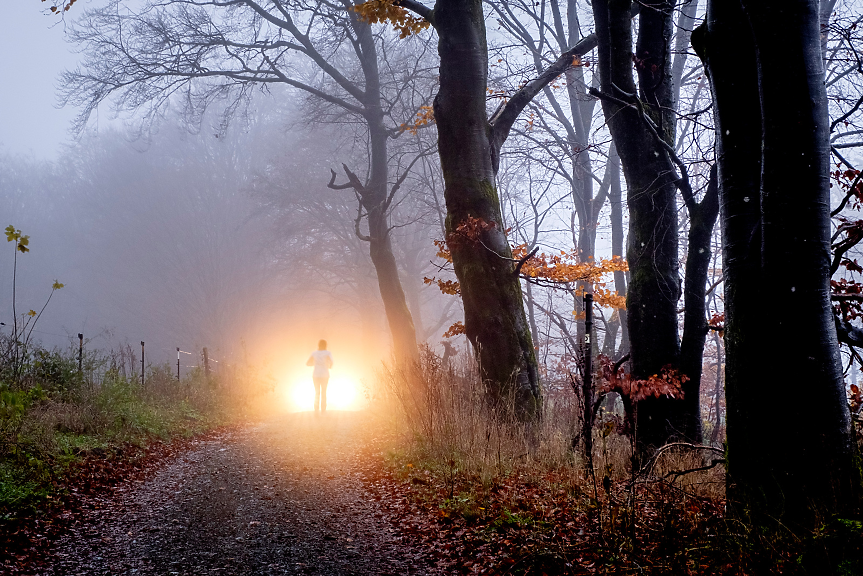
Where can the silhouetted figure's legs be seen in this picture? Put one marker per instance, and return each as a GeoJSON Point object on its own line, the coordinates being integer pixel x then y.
{"type": "Point", "coordinates": [324, 382]}
{"type": "Point", "coordinates": [321, 394]}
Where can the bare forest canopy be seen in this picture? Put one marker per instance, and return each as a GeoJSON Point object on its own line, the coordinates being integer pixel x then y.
{"type": "Point", "coordinates": [463, 174]}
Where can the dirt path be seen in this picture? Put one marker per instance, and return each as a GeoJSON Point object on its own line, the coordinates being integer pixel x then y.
{"type": "Point", "coordinates": [284, 497]}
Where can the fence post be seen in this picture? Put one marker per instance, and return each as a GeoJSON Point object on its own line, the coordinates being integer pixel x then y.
{"type": "Point", "coordinates": [80, 354]}
{"type": "Point", "coordinates": [142, 362]}
{"type": "Point", "coordinates": [587, 382]}
{"type": "Point", "coordinates": [178, 363]}
{"type": "Point", "coordinates": [206, 364]}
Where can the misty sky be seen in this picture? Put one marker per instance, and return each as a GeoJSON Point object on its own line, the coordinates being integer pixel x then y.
{"type": "Point", "coordinates": [34, 54]}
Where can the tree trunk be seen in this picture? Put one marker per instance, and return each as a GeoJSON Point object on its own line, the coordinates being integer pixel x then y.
{"type": "Point", "coordinates": [495, 321]}
{"type": "Point", "coordinates": [373, 196]}
{"type": "Point", "coordinates": [653, 290]}
{"type": "Point", "coordinates": [531, 313]}
{"type": "Point", "coordinates": [702, 218]}
{"type": "Point", "coordinates": [615, 200]}
{"type": "Point", "coordinates": [374, 199]}
{"type": "Point", "coordinates": [795, 462]}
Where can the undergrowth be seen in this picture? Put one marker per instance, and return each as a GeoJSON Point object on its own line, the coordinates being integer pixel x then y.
{"type": "Point", "coordinates": [503, 497]}
{"type": "Point", "coordinates": [52, 416]}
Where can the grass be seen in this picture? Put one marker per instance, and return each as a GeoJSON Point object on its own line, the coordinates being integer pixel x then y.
{"type": "Point", "coordinates": [501, 497]}
{"type": "Point", "coordinates": [52, 416]}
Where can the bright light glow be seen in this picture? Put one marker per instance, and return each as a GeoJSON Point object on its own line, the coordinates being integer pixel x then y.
{"type": "Point", "coordinates": [342, 393]}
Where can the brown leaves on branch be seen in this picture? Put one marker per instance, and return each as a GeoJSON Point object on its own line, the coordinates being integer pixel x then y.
{"type": "Point", "coordinates": [543, 269]}
{"type": "Point", "coordinates": [60, 7]}
{"type": "Point", "coordinates": [424, 117]}
{"type": "Point", "coordinates": [845, 303]}
{"type": "Point", "coordinates": [468, 233]}
{"type": "Point", "coordinates": [564, 268]}
{"type": "Point", "coordinates": [717, 322]}
{"type": "Point", "coordinates": [454, 330]}
{"type": "Point", "coordinates": [450, 287]}
{"type": "Point", "coordinates": [380, 11]}
{"type": "Point", "coordinates": [669, 382]}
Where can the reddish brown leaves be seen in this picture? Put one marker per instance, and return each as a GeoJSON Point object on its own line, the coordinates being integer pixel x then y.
{"type": "Point", "coordinates": [454, 330]}
{"type": "Point", "coordinates": [669, 382]}
{"type": "Point", "coordinates": [451, 287]}
{"type": "Point", "coordinates": [543, 269]}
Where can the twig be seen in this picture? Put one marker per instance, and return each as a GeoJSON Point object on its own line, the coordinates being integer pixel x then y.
{"type": "Point", "coordinates": [846, 297]}
{"type": "Point", "coordinates": [621, 362]}
{"type": "Point", "coordinates": [848, 195]}
{"type": "Point", "coordinates": [653, 459]}
{"type": "Point", "coordinates": [522, 261]}
{"type": "Point", "coordinates": [678, 473]}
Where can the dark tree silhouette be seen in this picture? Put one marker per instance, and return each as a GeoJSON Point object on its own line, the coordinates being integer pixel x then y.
{"type": "Point", "coordinates": [773, 151]}
{"type": "Point", "coordinates": [469, 144]}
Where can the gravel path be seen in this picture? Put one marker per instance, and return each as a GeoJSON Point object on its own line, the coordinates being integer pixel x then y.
{"type": "Point", "coordinates": [284, 497]}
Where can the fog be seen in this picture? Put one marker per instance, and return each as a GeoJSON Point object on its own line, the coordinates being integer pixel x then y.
{"type": "Point", "coordinates": [196, 240]}
{"type": "Point", "coordinates": [218, 212]}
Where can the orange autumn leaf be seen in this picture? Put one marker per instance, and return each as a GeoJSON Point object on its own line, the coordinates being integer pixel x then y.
{"type": "Point", "coordinates": [379, 11]}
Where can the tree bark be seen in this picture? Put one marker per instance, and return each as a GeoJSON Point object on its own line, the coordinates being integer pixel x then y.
{"type": "Point", "coordinates": [495, 321]}
{"type": "Point", "coordinates": [653, 290]}
{"type": "Point", "coordinates": [702, 218]}
{"type": "Point", "coordinates": [795, 462]}
{"type": "Point", "coordinates": [615, 200]}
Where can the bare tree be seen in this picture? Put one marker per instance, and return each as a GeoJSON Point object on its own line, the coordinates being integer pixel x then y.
{"type": "Point", "coordinates": [199, 52]}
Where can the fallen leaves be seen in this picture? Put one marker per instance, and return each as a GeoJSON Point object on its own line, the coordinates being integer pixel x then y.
{"type": "Point", "coordinates": [26, 538]}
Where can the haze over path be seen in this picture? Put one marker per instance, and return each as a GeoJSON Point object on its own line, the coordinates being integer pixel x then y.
{"type": "Point", "coordinates": [282, 497]}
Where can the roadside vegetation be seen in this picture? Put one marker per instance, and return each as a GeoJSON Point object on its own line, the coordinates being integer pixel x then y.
{"type": "Point", "coordinates": [500, 497]}
{"type": "Point", "coordinates": [61, 427]}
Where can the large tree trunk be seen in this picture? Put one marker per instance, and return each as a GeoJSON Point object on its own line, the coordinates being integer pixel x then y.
{"type": "Point", "coordinates": [795, 461]}
{"type": "Point", "coordinates": [494, 315]}
{"type": "Point", "coordinates": [653, 290]}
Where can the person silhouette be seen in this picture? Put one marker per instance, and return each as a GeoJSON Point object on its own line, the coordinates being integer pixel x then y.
{"type": "Point", "coordinates": [322, 360]}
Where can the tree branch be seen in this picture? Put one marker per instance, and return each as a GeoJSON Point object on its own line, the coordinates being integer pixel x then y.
{"type": "Point", "coordinates": [851, 190]}
{"type": "Point", "coordinates": [359, 219]}
{"type": "Point", "coordinates": [502, 120]}
{"type": "Point", "coordinates": [521, 261]}
{"type": "Point", "coordinates": [333, 186]}
{"type": "Point", "coordinates": [846, 115]}
{"type": "Point", "coordinates": [846, 297]}
{"type": "Point", "coordinates": [848, 333]}
{"type": "Point", "coordinates": [419, 9]}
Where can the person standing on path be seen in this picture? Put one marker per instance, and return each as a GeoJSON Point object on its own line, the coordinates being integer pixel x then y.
{"type": "Point", "coordinates": [322, 360]}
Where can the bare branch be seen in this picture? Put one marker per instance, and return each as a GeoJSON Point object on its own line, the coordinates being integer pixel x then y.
{"type": "Point", "coordinates": [419, 9]}
{"type": "Point", "coordinates": [332, 184]}
{"type": "Point", "coordinates": [503, 119]}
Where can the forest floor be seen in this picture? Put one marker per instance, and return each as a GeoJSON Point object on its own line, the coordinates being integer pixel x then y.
{"type": "Point", "coordinates": [287, 496]}
{"type": "Point", "coordinates": [341, 495]}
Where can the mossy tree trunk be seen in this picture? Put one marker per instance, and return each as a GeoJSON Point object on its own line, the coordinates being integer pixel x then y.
{"type": "Point", "coordinates": [469, 145]}
{"type": "Point", "coordinates": [653, 290]}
